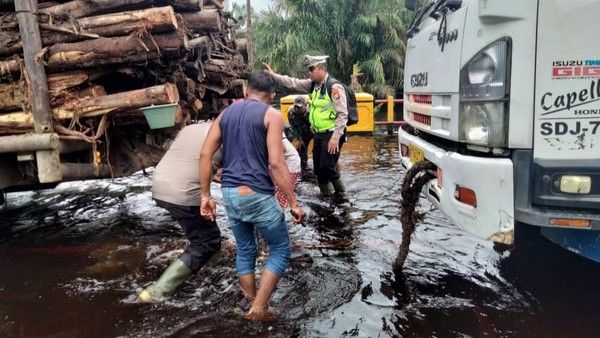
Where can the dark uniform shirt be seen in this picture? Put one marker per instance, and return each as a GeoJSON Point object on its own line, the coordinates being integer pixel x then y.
{"type": "Point", "coordinates": [299, 124]}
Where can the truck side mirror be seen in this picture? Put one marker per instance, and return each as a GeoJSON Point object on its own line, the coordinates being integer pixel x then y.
{"type": "Point", "coordinates": [410, 4]}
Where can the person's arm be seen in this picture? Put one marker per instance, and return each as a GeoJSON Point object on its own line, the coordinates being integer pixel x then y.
{"type": "Point", "coordinates": [217, 160]}
{"type": "Point", "coordinates": [300, 85]}
{"type": "Point", "coordinates": [279, 169]}
{"type": "Point", "coordinates": [338, 95]}
{"type": "Point", "coordinates": [208, 207]}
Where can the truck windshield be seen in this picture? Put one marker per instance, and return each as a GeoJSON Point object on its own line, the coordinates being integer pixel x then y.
{"type": "Point", "coordinates": [432, 8]}
{"type": "Point", "coordinates": [419, 16]}
{"type": "Point", "coordinates": [422, 3]}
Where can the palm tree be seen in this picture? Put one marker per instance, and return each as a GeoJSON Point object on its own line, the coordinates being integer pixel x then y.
{"type": "Point", "coordinates": [238, 15]}
{"type": "Point", "coordinates": [364, 36]}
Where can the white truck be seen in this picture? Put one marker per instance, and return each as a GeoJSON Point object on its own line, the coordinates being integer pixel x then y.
{"type": "Point", "coordinates": [503, 96]}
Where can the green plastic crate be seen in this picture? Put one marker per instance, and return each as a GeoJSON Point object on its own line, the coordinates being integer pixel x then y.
{"type": "Point", "coordinates": [161, 116]}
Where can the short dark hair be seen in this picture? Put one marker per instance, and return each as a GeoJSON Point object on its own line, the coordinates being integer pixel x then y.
{"type": "Point", "coordinates": [261, 81]}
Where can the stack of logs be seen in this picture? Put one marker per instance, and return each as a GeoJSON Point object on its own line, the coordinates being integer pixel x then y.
{"type": "Point", "coordinates": [105, 59]}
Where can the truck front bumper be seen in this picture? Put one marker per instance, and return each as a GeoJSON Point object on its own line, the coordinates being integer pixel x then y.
{"type": "Point", "coordinates": [490, 178]}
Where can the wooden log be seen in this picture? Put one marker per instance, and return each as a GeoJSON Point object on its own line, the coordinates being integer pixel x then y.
{"type": "Point", "coordinates": [238, 89]}
{"type": "Point", "coordinates": [47, 160]}
{"type": "Point", "coordinates": [186, 88]}
{"type": "Point", "coordinates": [219, 89]}
{"type": "Point", "coordinates": [61, 81]}
{"type": "Point", "coordinates": [13, 95]}
{"type": "Point", "coordinates": [207, 20]}
{"type": "Point", "coordinates": [187, 5]}
{"type": "Point", "coordinates": [15, 128]}
{"type": "Point", "coordinates": [203, 42]}
{"type": "Point", "coordinates": [82, 8]}
{"type": "Point", "coordinates": [66, 96]}
{"type": "Point", "coordinates": [36, 74]}
{"type": "Point", "coordinates": [46, 4]}
{"type": "Point", "coordinates": [95, 106]}
{"type": "Point", "coordinates": [9, 66]}
{"type": "Point", "coordinates": [105, 51]}
{"type": "Point", "coordinates": [242, 45]}
{"type": "Point", "coordinates": [92, 91]}
{"type": "Point", "coordinates": [216, 3]}
{"type": "Point", "coordinates": [218, 65]}
{"type": "Point", "coordinates": [153, 20]}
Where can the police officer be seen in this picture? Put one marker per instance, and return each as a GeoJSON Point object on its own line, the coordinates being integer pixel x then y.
{"type": "Point", "coordinates": [328, 116]}
{"type": "Point", "coordinates": [300, 132]}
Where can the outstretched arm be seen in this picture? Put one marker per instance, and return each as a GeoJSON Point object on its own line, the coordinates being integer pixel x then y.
{"type": "Point", "coordinates": [300, 85]}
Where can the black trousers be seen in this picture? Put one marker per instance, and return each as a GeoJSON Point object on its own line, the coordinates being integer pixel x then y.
{"type": "Point", "coordinates": [324, 162]}
{"type": "Point", "coordinates": [303, 150]}
{"type": "Point", "coordinates": [204, 235]}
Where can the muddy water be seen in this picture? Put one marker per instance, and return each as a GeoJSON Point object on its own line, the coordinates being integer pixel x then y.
{"type": "Point", "coordinates": [72, 260]}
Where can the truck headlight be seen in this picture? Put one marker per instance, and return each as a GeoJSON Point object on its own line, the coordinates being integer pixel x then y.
{"type": "Point", "coordinates": [483, 124]}
{"type": "Point", "coordinates": [484, 96]}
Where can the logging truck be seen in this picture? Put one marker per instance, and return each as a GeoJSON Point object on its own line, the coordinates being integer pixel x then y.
{"type": "Point", "coordinates": [95, 88]}
{"type": "Point", "coordinates": [503, 97]}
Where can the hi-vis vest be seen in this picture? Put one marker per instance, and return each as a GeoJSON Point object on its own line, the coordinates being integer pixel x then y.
{"type": "Point", "coordinates": [322, 112]}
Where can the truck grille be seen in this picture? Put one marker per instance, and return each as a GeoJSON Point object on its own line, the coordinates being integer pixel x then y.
{"type": "Point", "coordinates": [424, 119]}
{"type": "Point", "coordinates": [425, 99]}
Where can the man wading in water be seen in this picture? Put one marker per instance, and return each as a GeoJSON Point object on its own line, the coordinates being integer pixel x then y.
{"type": "Point", "coordinates": [250, 132]}
{"type": "Point", "coordinates": [176, 188]}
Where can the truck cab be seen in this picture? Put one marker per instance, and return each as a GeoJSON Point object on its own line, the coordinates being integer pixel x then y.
{"type": "Point", "coordinates": [503, 96]}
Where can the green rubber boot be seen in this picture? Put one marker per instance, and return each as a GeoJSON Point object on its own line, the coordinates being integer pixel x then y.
{"type": "Point", "coordinates": [339, 186]}
{"type": "Point", "coordinates": [175, 274]}
{"type": "Point", "coordinates": [326, 189]}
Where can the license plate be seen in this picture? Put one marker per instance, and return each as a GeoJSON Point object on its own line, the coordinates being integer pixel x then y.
{"type": "Point", "coordinates": [415, 154]}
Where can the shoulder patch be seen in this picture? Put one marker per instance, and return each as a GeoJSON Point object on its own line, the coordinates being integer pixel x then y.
{"type": "Point", "coordinates": [335, 92]}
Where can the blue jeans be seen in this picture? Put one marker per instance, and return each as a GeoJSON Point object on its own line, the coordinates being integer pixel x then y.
{"type": "Point", "coordinates": [256, 211]}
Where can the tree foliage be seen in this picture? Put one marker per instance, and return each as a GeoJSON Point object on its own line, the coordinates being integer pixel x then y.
{"type": "Point", "coordinates": [364, 39]}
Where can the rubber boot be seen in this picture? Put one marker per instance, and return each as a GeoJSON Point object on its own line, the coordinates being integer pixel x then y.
{"type": "Point", "coordinates": [214, 260]}
{"type": "Point", "coordinates": [339, 186]}
{"type": "Point", "coordinates": [175, 274]}
{"type": "Point", "coordinates": [326, 189]}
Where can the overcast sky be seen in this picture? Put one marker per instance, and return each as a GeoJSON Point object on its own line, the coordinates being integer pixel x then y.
{"type": "Point", "coordinates": [258, 5]}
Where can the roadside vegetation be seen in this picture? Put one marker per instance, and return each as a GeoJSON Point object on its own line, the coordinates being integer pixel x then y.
{"type": "Point", "coordinates": [364, 39]}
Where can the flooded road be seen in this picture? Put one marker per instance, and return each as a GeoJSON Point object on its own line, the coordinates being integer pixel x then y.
{"type": "Point", "coordinates": [72, 260]}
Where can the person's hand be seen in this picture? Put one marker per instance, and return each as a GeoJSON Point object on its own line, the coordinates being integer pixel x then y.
{"type": "Point", "coordinates": [208, 208]}
{"type": "Point", "coordinates": [217, 175]}
{"type": "Point", "coordinates": [267, 68]}
{"type": "Point", "coordinates": [333, 146]}
{"type": "Point", "coordinates": [297, 143]}
{"type": "Point", "coordinates": [298, 214]}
